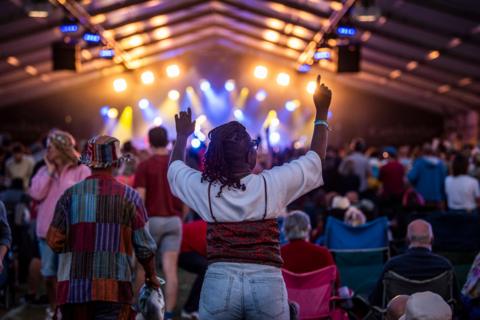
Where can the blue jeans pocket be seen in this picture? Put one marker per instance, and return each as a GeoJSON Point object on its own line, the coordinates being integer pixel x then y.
{"type": "Point", "coordinates": [269, 296]}
{"type": "Point", "coordinates": [216, 292]}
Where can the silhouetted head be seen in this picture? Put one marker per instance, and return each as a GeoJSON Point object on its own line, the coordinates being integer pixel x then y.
{"type": "Point", "coordinates": [231, 155]}
{"type": "Point", "coordinates": [158, 137]}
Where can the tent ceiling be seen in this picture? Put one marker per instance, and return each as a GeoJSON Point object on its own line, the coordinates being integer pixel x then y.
{"type": "Point", "coordinates": [154, 30]}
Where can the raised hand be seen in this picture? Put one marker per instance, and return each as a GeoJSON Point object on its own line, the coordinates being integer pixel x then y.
{"type": "Point", "coordinates": [322, 98]}
{"type": "Point", "coordinates": [184, 124]}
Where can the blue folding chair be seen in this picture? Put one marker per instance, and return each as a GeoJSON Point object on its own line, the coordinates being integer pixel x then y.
{"type": "Point", "coordinates": [360, 252]}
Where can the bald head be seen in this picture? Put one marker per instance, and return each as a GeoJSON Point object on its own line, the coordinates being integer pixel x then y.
{"type": "Point", "coordinates": [420, 234]}
{"type": "Point", "coordinates": [396, 307]}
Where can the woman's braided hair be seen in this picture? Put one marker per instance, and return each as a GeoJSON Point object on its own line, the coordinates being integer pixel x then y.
{"type": "Point", "coordinates": [226, 154]}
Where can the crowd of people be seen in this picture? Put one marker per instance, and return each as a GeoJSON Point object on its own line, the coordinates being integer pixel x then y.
{"type": "Point", "coordinates": [93, 227]}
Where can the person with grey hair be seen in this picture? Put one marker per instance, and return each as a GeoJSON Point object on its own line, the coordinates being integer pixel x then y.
{"type": "Point", "coordinates": [418, 263]}
{"type": "Point", "coordinates": [299, 255]}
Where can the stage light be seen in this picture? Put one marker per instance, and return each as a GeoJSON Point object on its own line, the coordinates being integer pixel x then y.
{"type": "Point", "coordinates": [143, 104]}
{"type": "Point", "coordinates": [230, 85]}
{"type": "Point", "coordinates": [173, 95]}
{"type": "Point", "coordinates": [275, 123]}
{"type": "Point", "coordinates": [200, 136]}
{"type": "Point", "coordinates": [283, 79]}
{"type": "Point", "coordinates": [275, 137]}
{"type": "Point", "coordinates": [196, 143]}
{"type": "Point", "coordinates": [107, 53]}
{"type": "Point", "coordinates": [365, 11]}
{"type": "Point", "coordinates": [303, 68]}
{"type": "Point", "coordinates": [464, 82]}
{"type": "Point", "coordinates": [292, 105]}
{"type": "Point", "coordinates": [13, 61]}
{"type": "Point", "coordinates": [346, 31]}
{"type": "Point", "coordinates": [238, 114]}
{"type": "Point", "coordinates": [311, 87]}
{"type": "Point", "coordinates": [395, 74]}
{"type": "Point", "coordinates": [261, 95]}
{"type": "Point", "coordinates": [68, 26]}
{"type": "Point", "coordinates": [112, 113]}
{"type": "Point", "coordinates": [295, 43]}
{"type": "Point", "coordinates": [91, 37]}
{"type": "Point", "coordinates": [271, 35]}
{"type": "Point", "coordinates": [260, 72]}
{"type": "Point", "coordinates": [412, 65]}
{"type": "Point", "coordinates": [322, 54]}
{"type": "Point", "coordinates": [158, 121]}
{"type": "Point", "coordinates": [173, 71]}
{"type": "Point", "coordinates": [119, 85]}
{"type": "Point", "coordinates": [204, 85]}
{"type": "Point", "coordinates": [201, 119]}
{"type": "Point", "coordinates": [104, 111]}
{"type": "Point", "coordinates": [148, 77]}
{"type": "Point", "coordinates": [432, 55]}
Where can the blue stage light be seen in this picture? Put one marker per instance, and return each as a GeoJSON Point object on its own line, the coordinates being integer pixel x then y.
{"type": "Point", "coordinates": [239, 115]}
{"type": "Point", "coordinates": [196, 143]}
{"type": "Point", "coordinates": [143, 104]}
{"type": "Point", "coordinates": [91, 37]}
{"type": "Point", "coordinates": [322, 55]}
{"type": "Point", "coordinates": [303, 68]}
{"type": "Point", "coordinates": [104, 111]}
{"type": "Point", "coordinates": [204, 85]}
{"type": "Point", "coordinates": [107, 53]}
{"type": "Point", "coordinates": [69, 28]}
{"type": "Point", "coordinates": [346, 31]}
{"type": "Point", "coordinates": [230, 85]}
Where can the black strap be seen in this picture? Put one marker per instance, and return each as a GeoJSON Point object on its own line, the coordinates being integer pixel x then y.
{"type": "Point", "coordinates": [210, 200]}
{"type": "Point", "coordinates": [266, 202]}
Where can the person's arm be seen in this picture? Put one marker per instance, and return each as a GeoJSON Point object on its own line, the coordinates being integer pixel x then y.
{"type": "Point", "coordinates": [322, 98]}
{"type": "Point", "coordinates": [57, 232]}
{"type": "Point", "coordinates": [41, 183]}
{"type": "Point", "coordinates": [185, 127]}
{"type": "Point", "coordinates": [143, 244]}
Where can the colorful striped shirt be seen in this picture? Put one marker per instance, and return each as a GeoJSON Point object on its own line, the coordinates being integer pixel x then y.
{"type": "Point", "coordinates": [98, 225]}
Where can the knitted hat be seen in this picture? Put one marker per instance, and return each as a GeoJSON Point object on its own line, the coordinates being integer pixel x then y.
{"type": "Point", "coordinates": [102, 152]}
{"type": "Point", "coordinates": [427, 306]}
{"type": "Point", "coordinates": [64, 143]}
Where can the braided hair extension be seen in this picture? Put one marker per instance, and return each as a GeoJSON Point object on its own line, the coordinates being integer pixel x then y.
{"type": "Point", "coordinates": [227, 151]}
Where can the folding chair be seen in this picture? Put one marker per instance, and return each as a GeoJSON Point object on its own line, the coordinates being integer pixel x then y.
{"type": "Point", "coordinates": [360, 252]}
{"type": "Point", "coordinates": [313, 291]}
{"type": "Point", "coordinates": [395, 284]}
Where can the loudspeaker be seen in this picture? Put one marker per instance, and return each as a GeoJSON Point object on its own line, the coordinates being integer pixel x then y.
{"type": "Point", "coordinates": [66, 56]}
{"type": "Point", "coordinates": [348, 58]}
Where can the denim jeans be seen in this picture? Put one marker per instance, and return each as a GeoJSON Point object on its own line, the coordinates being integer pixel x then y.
{"type": "Point", "coordinates": [243, 291]}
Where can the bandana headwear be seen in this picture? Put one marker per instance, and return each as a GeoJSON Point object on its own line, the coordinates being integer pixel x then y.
{"type": "Point", "coordinates": [102, 152]}
{"type": "Point", "coordinates": [65, 143]}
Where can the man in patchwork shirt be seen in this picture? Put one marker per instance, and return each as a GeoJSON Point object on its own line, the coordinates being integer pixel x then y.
{"type": "Point", "coordinates": [98, 225]}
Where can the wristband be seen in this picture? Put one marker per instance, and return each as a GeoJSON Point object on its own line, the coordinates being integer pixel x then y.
{"type": "Point", "coordinates": [322, 123]}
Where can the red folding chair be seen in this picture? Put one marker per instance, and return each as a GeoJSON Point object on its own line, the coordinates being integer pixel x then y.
{"type": "Point", "coordinates": [313, 291]}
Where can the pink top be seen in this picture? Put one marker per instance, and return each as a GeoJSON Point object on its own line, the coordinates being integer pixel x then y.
{"type": "Point", "coordinates": [47, 190]}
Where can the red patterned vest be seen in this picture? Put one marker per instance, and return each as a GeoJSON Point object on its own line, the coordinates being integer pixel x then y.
{"type": "Point", "coordinates": [246, 241]}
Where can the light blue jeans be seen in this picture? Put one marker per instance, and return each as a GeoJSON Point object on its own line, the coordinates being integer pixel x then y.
{"type": "Point", "coordinates": [247, 291]}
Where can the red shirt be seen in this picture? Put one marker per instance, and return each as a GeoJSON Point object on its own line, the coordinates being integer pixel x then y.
{"type": "Point", "coordinates": [300, 256]}
{"type": "Point", "coordinates": [392, 176]}
{"type": "Point", "coordinates": [194, 237]}
{"type": "Point", "coordinates": [151, 174]}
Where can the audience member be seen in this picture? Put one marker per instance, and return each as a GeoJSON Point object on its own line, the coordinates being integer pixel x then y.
{"type": "Point", "coordinates": [20, 165]}
{"type": "Point", "coordinates": [418, 263]}
{"type": "Point", "coordinates": [396, 307]}
{"type": "Point", "coordinates": [164, 210]}
{"type": "Point", "coordinates": [193, 258]}
{"type": "Point", "coordinates": [462, 190]}
{"type": "Point", "coordinates": [60, 173]}
{"type": "Point", "coordinates": [348, 178]}
{"type": "Point", "coordinates": [360, 163]}
{"type": "Point", "coordinates": [426, 306]}
{"type": "Point", "coordinates": [428, 177]}
{"type": "Point", "coordinates": [299, 255]}
{"type": "Point", "coordinates": [392, 177]}
{"type": "Point", "coordinates": [241, 211]}
{"type": "Point", "coordinates": [5, 235]}
{"type": "Point", "coordinates": [471, 290]}
{"type": "Point", "coordinates": [98, 224]}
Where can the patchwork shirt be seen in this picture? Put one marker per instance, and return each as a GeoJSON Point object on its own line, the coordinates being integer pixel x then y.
{"type": "Point", "coordinates": [98, 225]}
